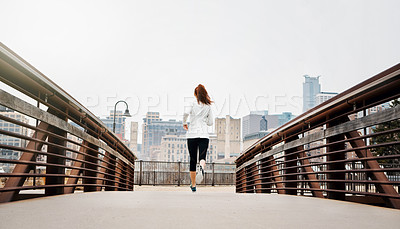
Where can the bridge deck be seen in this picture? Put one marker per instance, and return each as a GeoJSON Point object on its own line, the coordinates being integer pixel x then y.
{"type": "Point", "coordinates": [208, 208]}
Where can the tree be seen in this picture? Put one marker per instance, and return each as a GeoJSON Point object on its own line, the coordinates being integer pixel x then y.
{"type": "Point", "coordinates": [390, 137]}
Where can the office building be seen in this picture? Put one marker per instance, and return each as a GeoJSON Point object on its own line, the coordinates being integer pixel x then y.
{"type": "Point", "coordinates": [250, 139]}
{"type": "Point", "coordinates": [257, 123]}
{"type": "Point", "coordinates": [119, 123]}
{"type": "Point", "coordinates": [254, 122]}
{"type": "Point", "coordinates": [145, 147]}
{"type": "Point", "coordinates": [153, 131]}
{"type": "Point", "coordinates": [174, 148]}
{"type": "Point", "coordinates": [11, 141]}
{"type": "Point", "coordinates": [228, 132]}
{"type": "Point", "coordinates": [311, 88]}
{"type": "Point", "coordinates": [133, 144]}
{"type": "Point", "coordinates": [324, 96]}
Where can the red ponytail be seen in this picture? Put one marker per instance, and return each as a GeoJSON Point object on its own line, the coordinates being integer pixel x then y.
{"type": "Point", "coordinates": [201, 94]}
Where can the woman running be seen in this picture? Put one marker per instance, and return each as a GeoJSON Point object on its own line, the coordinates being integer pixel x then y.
{"type": "Point", "coordinates": [197, 132]}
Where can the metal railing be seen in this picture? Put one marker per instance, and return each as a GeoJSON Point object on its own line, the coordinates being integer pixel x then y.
{"type": "Point", "coordinates": [177, 173]}
{"type": "Point", "coordinates": [66, 148]}
{"type": "Point", "coordinates": [347, 148]}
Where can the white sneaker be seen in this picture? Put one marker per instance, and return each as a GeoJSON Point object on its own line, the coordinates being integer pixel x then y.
{"type": "Point", "coordinates": [200, 175]}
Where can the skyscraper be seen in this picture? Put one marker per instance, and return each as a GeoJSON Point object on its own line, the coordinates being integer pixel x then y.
{"type": "Point", "coordinates": [145, 147]}
{"type": "Point", "coordinates": [133, 137]}
{"type": "Point", "coordinates": [311, 88]}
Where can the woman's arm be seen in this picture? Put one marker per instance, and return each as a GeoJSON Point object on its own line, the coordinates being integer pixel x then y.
{"type": "Point", "coordinates": [210, 118]}
{"type": "Point", "coordinates": [186, 113]}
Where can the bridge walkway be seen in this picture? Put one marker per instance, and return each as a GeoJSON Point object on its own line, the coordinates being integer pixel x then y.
{"type": "Point", "coordinates": [177, 207]}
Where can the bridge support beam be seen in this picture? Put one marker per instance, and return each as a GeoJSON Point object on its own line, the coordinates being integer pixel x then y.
{"type": "Point", "coordinates": [252, 173]}
{"type": "Point", "coordinates": [124, 177]}
{"type": "Point", "coordinates": [105, 163]}
{"type": "Point", "coordinates": [118, 176]}
{"type": "Point", "coordinates": [257, 178]}
{"type": "Point", "coordinates": [313, 181]}
{"type": "Point", "coordinates": [76, 172]}
{"type": "Point", "coordinates": [240, 181]}
{"type": "Point", "coordinates": [92, 156]}
{"type": "Point", "coordinates": [56, 180]}
{"type": "Point", "coordinates": [265, 177]}
{"type": "Point", "coordinates": [311, 177]}
{"type": "Point", "coordinates": [333, 167]}
{"type": "Point", "coordinates": [276, 177]}
{"type": "Point", "coordinates": [373, 164]}
{"type": "Point", "coordinates": [13, 182]}
{"type": "Point", "coordinates": [290, 168]}
{"type": "Point", "coordinates": [131, 174]}
{"type": "Point", "coordinates": [112, 168]}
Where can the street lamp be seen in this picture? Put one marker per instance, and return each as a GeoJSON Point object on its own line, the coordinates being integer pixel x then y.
{"type": "Point", "coordinates": [126, 114]}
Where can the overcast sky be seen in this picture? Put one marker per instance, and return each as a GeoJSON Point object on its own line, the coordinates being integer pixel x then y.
{"type": "Point", "coordinates": [250, 55]}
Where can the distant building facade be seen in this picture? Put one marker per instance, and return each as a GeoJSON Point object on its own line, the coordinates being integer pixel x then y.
{"type": "Point", "coordinates": [133, 138]}
{"type": "Point", "coordinates": [312, 95]}
{"type": "Point", "coordinates": [311, 88]}
{"type": "Point", "coordinates": [119, 123]}
{"type": "Point", "coordinates": [11, 141]}
{"type": "Point", "coordinates": [258, 123]}
{"type": "Point", "coordinates": [145, 147]}
{"type": "Point", "coordinates": [153, 131]}
{"type": "Point", "coordinates": [174, 148]}
{"type": "Point", "coordinates": [324, 96]}
{"type": "Point", "coordinates": [228, 131]}
{"type": "Point", "coordinates": [254, 122]}
{"type": "Point", "coordinates": [250, 139]}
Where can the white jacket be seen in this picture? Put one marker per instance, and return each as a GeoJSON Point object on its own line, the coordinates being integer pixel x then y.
{"type": "Point", "coordinates": [201, 117]}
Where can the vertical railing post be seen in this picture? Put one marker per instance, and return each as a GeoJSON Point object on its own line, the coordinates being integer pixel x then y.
{"type": "Point", "coordinates": [55, 149]}
{"type": "Point", "coordinates": [257, 178]}
{"type": "Point", "coordinates": [133, 177]}
{"type": "Point", "coordinates": [154, 173]}
{"type": "Point", "coordinates": [252, 171]}
{"type": "Point", "coordinates": [290, 164]}
{"type": "Point", "coordinates": [124, 175]}
{"type": "Point", "coordinates": [266, 188]}
{"type": "Point", "coordinates": [205, 176]}
{"type": "Point", "coordinates": [111, 168]}
{"type": "Point", "coordinates": [179, 173]}
{"type": "Point", "coordinates": [213, 174]}
{"type": "Point", "coordinates": [93, 158]}
{"type": "Point", "coordinates": [333, 147]}
{"type": "Point", "coordinates": [118, 175]}
{"type": "Point", "coordinates": [140, 172]}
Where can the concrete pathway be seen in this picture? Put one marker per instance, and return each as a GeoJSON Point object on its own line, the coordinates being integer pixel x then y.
{"type": "Point", "coordinates": [206, 209]}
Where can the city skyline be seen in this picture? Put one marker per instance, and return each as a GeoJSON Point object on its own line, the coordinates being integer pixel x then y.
{"type": "Point", "coordinates": [249, 55]}
{"type": "Point", "coordinates": [250, 114]}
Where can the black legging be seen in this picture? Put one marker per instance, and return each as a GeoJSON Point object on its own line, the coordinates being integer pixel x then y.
{"type": "Point", "coordinates": [193, 145]}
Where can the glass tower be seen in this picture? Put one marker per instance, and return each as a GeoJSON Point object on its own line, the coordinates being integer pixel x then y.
{"type": "Point", "coordinates": [311, 88]}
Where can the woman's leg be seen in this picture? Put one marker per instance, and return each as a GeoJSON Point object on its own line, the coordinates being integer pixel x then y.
{"type": "Point", "coordinates": [193, 178]}
{"type": "Point", "coordinates": [192, 147]}
{"type": "Point", "coordinates": [203, 146]}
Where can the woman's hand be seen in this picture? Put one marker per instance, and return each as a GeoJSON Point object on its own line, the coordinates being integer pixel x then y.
{"type": "Point", "coordinates": [185, 126]}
